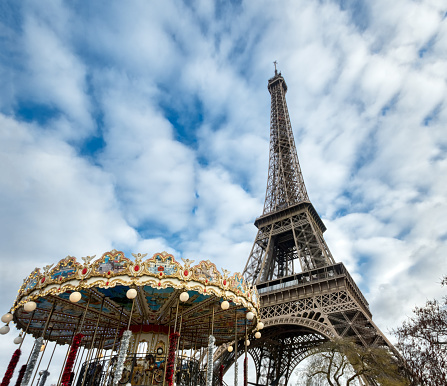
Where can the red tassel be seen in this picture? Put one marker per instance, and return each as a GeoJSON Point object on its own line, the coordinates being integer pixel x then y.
{"type": "Point", "coordinates": [11, 367]}
{"type": "Point", "coordinates": [21, 374]}
{"type": "Point", "coordinates": [245, 371]}
{"type": "Point", "coordinates": [71, 359]}
{"type": "Point", "coordinates": [173, 339]}
{"type": "Point", "coordinates": [221, 375]}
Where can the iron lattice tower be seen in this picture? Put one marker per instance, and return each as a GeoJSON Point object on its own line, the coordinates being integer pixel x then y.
{"type": "Point", "coordinates": [290, 230]}
{"type": "Point", "coordinates": [305, 304]}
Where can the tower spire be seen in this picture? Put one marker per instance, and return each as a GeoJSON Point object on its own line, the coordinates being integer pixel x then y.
{"type": "Point", "coordinates": [285, 183]}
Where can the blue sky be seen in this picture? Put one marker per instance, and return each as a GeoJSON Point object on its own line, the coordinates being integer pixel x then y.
{"type": "Point", "coordinates": [145, 127]}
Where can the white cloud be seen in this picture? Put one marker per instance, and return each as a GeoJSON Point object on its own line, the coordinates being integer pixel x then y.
{"type": "Point", "coordinates": [52, 203]}
{"type": "Point", "coordinates": [154, 173]}
{"type": "Point", "coordinates": [221, 229]}
{"type": "Point", "coordinates": [54, 76]}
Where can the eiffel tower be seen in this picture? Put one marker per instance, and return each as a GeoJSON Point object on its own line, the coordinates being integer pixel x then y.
{"type": "Point", "coordinates": [306, 297]}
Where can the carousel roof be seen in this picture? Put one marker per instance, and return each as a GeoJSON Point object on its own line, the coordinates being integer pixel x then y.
{"type": "Point", "coordinates": [159, 280]}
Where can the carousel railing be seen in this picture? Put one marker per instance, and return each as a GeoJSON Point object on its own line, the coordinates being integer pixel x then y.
{"type": "Point", "coordinates": [139, 370]}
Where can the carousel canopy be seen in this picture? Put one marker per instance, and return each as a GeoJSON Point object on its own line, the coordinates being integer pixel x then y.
{"type": "Point", "coordinates": [103, 310]}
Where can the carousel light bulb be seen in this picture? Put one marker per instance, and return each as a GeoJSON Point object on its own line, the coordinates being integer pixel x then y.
{"type": "Point", "coordinates": [184, 296]}
{"type": "Point", "coordinates": [18, 340]}
{"type": "Point", "coordinates": [42, 348]}
{"type": "Point", "coordinates": [4, 330]}
{"type": "Point", "coordinates": [7, 318]}
{"type": "Point", "coordinates": [247, 343]}
{"type": "Point", "coordinates": [230, 348]}
{"type": "Point", "coordinates": [75, 297]}
{"type": "Point", "coordinates": [250, 315]}
{"type": "Point", "coordinates": [257, 334]}
{"type": "Point", "coordinates": [131, 294]}
{"type": "Point", "coordinates": [30, 306]}
{"type": "Point", "coordinates": [225, 305]}
{"type": "Point", "coordinates": [260, 326]}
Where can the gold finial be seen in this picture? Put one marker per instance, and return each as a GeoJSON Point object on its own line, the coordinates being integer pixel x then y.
{"type": "Point", "coordinates": [139, 257]}
{"type": "Point", "coordinates": [87, 259]}
{"type": "Point", "coordinates": [187, 262]}
{"type": "Point", "coordinates": [47, 268]}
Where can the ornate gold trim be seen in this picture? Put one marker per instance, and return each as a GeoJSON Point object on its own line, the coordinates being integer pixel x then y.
{"type": "Point", "coordinates": [159, 271]}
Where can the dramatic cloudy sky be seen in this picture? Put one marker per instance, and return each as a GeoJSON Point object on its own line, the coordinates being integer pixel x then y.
{"type": "Point", "coordinates": [144, 126]}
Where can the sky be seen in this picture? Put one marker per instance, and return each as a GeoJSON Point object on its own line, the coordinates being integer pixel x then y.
{"type": "Point", "coordinates": [144, 127]}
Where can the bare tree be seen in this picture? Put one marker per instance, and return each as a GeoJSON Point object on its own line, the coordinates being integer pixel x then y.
{"type": "Point", "coordinates": [422, 341]}
{"type": "Point", "coordinates": [343, 362]}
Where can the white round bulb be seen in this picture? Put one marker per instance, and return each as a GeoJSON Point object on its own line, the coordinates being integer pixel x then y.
{"type": "Point", "coordinates": [225, 305]}
{"type": "Point", "coordinates": [131, 294]}
{"type": "Point", "coordinates": [230, 348]}
{"type": "Point", "coordinates": [184, 296]}
{"type": "Point", "coordinates": [260, 326]}
{"type": "Point", "coordinates": [75, 297]}
{"type": "Point", "coordinates": [247, 343]}
{"type": "Point", "coordinates": [7, 318]}
{"type": "Point", "coordinates": [250, 315]}
{"type": "Point", "coordinates": [4, 330]}
{"type": "Point", "coordinates": [18, 340]}
{"type": "Point", "coordinates": [30, 306]}
{"type": "Point", "coordinates": [257, 335]}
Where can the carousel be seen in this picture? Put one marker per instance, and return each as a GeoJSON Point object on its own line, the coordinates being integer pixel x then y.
{"type": "Point", "coordinates": [140, 321]}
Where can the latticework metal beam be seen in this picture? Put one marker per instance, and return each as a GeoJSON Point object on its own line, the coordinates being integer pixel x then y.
{"type": "Point", "coordinates": [305, 297]}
